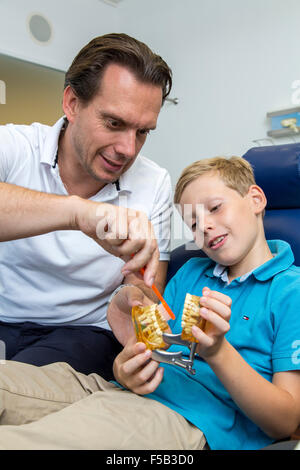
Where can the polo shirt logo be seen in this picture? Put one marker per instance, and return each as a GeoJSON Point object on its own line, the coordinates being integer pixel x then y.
{"type": "Point", "coordinates": [245, 317]}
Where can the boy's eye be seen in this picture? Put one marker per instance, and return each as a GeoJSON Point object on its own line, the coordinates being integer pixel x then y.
{"type": "Point", "coordinates": [213, 209]}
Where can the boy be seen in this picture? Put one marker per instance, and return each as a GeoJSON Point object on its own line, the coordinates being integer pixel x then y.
{"type": "Point", "coordinates": [246, 390]}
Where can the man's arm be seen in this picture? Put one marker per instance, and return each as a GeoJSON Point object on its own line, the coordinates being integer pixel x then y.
{"type": "Point", "coordinates": [121, 232]}
{"type": "Point", "coordinates": [25, 212]}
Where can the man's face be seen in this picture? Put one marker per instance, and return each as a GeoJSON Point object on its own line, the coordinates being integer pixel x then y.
{"type": "Point", "coordinates": [224, 223]}
{"type": "Point", "coordinates": [108, 133]}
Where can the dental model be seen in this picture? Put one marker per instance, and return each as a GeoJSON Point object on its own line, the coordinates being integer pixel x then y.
{"type": "Point", "coordinates": [149, 326]}
{"type": "Point", "coordinates": [191, 317]}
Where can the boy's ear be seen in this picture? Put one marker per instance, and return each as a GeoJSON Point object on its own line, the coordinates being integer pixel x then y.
{"type": "Point", "coordinates": [257, 198]}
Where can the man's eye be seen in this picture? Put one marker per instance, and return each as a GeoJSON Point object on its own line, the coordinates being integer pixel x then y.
{"type": "Point", "coordinates": [193, 227]}
{"type": "Point", "coordinates": [113, 123]}
{"type": "Point", "coordinates": [144, 131]}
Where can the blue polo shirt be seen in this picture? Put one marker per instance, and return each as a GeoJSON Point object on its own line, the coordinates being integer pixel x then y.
{"type": "Point", "coordinates": [264, 328]}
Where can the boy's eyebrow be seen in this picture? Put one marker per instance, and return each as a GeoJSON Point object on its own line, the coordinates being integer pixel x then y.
{"type": "Point", "coordinates": [107, 115]}
{"type": "Point", "coordinates": [212, 198]}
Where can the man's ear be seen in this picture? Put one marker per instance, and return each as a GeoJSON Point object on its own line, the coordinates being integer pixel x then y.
{"type": "Point", "coordinates": [70, 104]}
{"type": "Point", "coordinates": [257, 198]}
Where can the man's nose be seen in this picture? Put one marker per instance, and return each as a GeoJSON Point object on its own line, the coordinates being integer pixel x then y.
{"type": "Point", "coordinates": [126, 144]}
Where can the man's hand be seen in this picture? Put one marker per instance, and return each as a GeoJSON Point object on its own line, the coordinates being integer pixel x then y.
{"type": "Point", "coordinates": [134, 369]}
{"type": "Point", "coordinates": [122, 232]}
{"type": "Point", "coordinates": [216, 310]}
{"type": "Point", "coordinates": [119, 312]}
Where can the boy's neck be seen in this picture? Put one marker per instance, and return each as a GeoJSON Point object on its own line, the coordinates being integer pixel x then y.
{"type": "Point", "coordinates": [258, 255]}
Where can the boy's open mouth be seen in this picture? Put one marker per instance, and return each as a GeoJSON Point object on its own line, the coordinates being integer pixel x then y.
{"type": "Point", "coordinates": [217, 242]}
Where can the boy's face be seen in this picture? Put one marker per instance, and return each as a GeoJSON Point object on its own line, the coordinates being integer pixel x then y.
{"type": "Point", "coordinates": [225, 225]}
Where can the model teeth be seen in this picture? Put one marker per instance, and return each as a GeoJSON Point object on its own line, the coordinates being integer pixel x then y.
{"type": "Point", "coordinates": [191, 316]}
{"type": "Point", "coordinates": [149, 325]}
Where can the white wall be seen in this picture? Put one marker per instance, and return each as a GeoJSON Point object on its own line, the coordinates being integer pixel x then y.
{"type": "Point", "coordinates": [233, 61]}
{"type": "Point", "coordinates": [74, 23]}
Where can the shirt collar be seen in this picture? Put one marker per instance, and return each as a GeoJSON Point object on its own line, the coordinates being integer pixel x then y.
{"type": "Point", "coordinates": [125, 179]}
{"type": "Point", "coordinates": [49, 152]}
{"type": "Point", "coordinates": [283, 258]}
{"type": "Point", "coordinates": [48, 156]}
{"type": "Point", "coordinates": [221, 272]}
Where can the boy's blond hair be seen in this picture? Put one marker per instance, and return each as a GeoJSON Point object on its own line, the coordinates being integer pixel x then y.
{"type": "Point", "coordinates": [235, 172]}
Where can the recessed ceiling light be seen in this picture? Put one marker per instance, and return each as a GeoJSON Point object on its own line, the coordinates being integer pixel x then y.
{"type": "Point", "coordinates": [40, 28]}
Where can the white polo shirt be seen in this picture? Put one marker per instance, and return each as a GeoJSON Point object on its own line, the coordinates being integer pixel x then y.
{"type": "Point", "coordinates": [64, 277]}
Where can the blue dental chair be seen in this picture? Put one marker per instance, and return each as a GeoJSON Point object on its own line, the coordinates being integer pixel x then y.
{"type": "Point", "coordinates": [277, 172]}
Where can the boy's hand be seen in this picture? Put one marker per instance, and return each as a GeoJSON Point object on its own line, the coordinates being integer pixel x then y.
{"type": "Point", "coordinates": [216, 310]}
{"type": "Point", "coordinates": [134, 369]}
{"type": "Point", "coordinates": [119, 311]}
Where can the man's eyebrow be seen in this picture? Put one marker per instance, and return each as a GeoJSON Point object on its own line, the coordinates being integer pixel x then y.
{"type": "Point", "coordinates": [106, 115]}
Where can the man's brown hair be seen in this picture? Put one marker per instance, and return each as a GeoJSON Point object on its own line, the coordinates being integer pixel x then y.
{"type": "Point", "coordinates": [86, 70]}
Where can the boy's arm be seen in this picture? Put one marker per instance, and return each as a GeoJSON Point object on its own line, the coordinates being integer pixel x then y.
{"type": "Point", "coordinates": [274, 407]}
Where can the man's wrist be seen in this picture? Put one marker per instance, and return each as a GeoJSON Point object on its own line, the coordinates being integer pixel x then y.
{"type": "Point", "coordinates": [75, 208]}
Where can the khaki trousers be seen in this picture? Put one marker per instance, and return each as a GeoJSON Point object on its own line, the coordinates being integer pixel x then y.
{"type": "Point", "coordinates": [55, 407]}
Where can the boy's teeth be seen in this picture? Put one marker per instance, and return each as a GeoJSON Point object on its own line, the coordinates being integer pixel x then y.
{"type": "Point", "coordinates": [217, 240]}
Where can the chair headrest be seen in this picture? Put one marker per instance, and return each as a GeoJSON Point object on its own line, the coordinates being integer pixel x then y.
{"type": "Point", "coordinates": [277, 171]}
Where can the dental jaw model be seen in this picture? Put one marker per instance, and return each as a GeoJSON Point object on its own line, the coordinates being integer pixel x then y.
{"type": "Point", "coordinates": [150, 328]}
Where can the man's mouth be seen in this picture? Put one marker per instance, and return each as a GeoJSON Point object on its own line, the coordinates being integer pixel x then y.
{"type": "Point", "coordinates": [111, 164]}
{"type": "Point", "coordinates": [217, 242]}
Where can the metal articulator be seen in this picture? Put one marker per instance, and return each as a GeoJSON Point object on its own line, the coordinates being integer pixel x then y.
{"type": "Point", "coordinates": [176, 357]}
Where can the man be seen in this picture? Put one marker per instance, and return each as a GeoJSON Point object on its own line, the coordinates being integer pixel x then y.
{"type": "Point", "coordinates": [65, 187]}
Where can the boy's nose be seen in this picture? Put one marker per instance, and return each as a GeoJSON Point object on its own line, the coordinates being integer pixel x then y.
{"type": "Point", "coordinates": [208, 224]}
